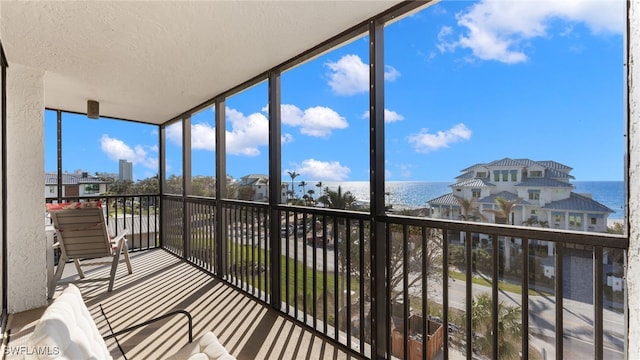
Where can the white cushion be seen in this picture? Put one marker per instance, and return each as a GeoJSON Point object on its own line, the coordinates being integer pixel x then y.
{"type": "Point", "coordinates": [66, 330]}
{"type": "Point", "coordinates": [207, 347]}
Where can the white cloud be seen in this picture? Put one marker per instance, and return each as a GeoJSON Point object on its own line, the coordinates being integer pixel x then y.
{"type": "Point", "coordinates": [246, 133]}
{"type": "Point", "coordinates": [117, 149]}
{"type": "Point", "coordinates": [443, 45]}
{"type": "Point", "coordinates": [405, 170]}
{"type": "Point", "coordinates": [349, 75]}
{"type": "Point", "coordinates": [244, 136]}
{"type": "Point", "coordinates": [326, 170]}
{"type": "Point", "coordinates": [173, 133]}
{"type": "Point", "coordinates": [286, 138]}
{"type": "Point", "coordinates": [499, 30]}
{"type": "Point", "coordinates": [203, 137]}
{"type": "Point", "coordinates": [389, 116]}
{"type": "Point", "coordinates": [425, 142]}
{"type": "Point", "coordinates": [316, 121]}
{"type": "Point", "coordinates": [391, 73]}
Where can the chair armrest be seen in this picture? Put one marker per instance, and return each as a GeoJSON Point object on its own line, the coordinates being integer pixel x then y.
{"type": "Point", "coordinates": [150, 321]}
{"type": "Point", "coordinates": [120, 236]}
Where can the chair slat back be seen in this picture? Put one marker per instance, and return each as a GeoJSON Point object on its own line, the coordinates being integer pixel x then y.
{"type": "Point", "coordinates": [82, 233]}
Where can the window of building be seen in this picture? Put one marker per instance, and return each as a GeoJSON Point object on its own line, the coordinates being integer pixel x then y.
{"type": "Point", "coordinates": [575, 220]}
{"type": "Point", "coordinates": [505, 175]}
{"type": "Point", "coordinates": [593, 221]}
{"type": "Point", "coordinates": [514, 175]}
{"type": "Point", "coordinates": [91, 188]}
{"type": "Point", "coordinates": [496, 175]}
{"type": "Point", "coordinates": [534, 194]}
{"type": "Point", "coordinates": [534, 212]}
{"type": "Point", "coordinates": [535, 173]}
{"type": "Point", "coordinates": [476, 193]}
{"type": "Point", "coordinates": [481, 174]}
{"type": "Point", "coordinates": [52, 189]}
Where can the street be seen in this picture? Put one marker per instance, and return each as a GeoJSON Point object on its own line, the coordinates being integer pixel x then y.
{"type": "Point", "coordinates": [577, 316]}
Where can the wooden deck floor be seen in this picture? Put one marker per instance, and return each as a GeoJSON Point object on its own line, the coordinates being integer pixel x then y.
{"type": "Point", "coordinates": [162, 282]}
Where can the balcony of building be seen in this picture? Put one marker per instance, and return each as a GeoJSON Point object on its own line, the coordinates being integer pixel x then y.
{"type": "Point", "coordinates": [276, 280]}
{"type": "Point", "coordinates": [162, 282]}
{"type": "Point", "coordinates": [226, 262]}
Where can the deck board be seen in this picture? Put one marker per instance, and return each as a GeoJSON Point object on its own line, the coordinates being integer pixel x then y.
{"type": "Point", "coordinates": [162, 282]}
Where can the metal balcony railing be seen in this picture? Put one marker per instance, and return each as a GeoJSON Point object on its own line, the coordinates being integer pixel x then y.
{"type": "Point", "coordinates": [450, 288]}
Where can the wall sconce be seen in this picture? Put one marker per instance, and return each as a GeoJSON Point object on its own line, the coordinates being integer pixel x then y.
{"type": "Point", "coordinates": [93, 109]}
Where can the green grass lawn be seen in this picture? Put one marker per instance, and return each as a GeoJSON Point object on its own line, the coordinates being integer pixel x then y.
{"type": "Point", "coordinates": [504, 286]}
{"type": "Point", "coordinates": [299, 279]}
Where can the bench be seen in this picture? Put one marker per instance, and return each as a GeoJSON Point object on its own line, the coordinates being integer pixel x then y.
{"type": "Point", "coordinates": [66, 330]}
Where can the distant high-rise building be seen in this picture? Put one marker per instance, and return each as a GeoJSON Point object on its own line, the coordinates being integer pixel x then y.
{"type": "Point", "coordinates": [125, 170]}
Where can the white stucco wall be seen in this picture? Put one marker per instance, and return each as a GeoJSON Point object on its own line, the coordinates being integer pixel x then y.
{"type": "Point", "coordinates": [26, 239]}
{"type": "Point", "coordinates": [633, 273]}
{"type": "Point", "coordinates": [1, 200]}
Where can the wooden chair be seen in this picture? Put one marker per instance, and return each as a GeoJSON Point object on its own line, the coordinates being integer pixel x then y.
{"type": "Point", "coordinates": [82, 235]}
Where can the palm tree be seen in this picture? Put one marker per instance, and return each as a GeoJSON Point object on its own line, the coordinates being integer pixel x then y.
{"type": "Point", "coordinates": [311, 192]}
{"type": "Point", "coordinates": [293, 175]}
{"type": "Point", "coordinates": [509, 330]}
{"type": "Point", "coordinates": [337, 199]}
{"type": "Point", "coordinates": [303, 185]}
{"type": "Point", "coordinates": [319, 186]}
{"type": "Point", "coordinates": [502, 216]}
{"type": "Point", "coordinates": [504, 211]}
{"type": "Point", "coordinates": [470, 210]}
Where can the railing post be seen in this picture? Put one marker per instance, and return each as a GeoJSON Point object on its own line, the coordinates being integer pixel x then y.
{"type": "Point", "coordinates": [559, 300]}
{"type": "Point", "coordinates": [275, 153]}
{"type": "Point", "coordinates": [186, 184]}
{"type": "Point", "coordinates": [598, 303]}
{"type": "Point", "coordinates": [219, 243]}
{"type": "Point", "coordinates": [445, 292]}
{"type": "Point", "coordinates": [495, 257]}
{"type": "Point", "coordinates": [379, 285]}
{"type": "Point", "coordinates": [186, 229]}
{"type": "Point", "coordinates": [161, 175]}
{"type": "Point", "coordinates": [59, 153]}
{"type": "Point", "coordinates": [468, 254]}
{"type": "Point", "coordinates": [525, 298]}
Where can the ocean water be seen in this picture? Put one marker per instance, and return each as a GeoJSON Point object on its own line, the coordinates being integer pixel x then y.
{"type": "Point", "coordinates": [414, 194]}
{"type": "Point", "coordinates": [608, 193]}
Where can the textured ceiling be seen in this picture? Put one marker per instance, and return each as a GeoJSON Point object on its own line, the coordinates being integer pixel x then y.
{"type": "Point", "coordinates": [150, 61]}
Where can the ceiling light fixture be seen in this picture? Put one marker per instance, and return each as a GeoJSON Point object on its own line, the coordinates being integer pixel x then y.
{"type": "Point", "coordinates": [93, 109]}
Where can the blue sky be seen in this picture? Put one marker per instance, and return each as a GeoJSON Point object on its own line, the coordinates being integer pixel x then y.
{"type": "Point", "coordinates": [466, 82]}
